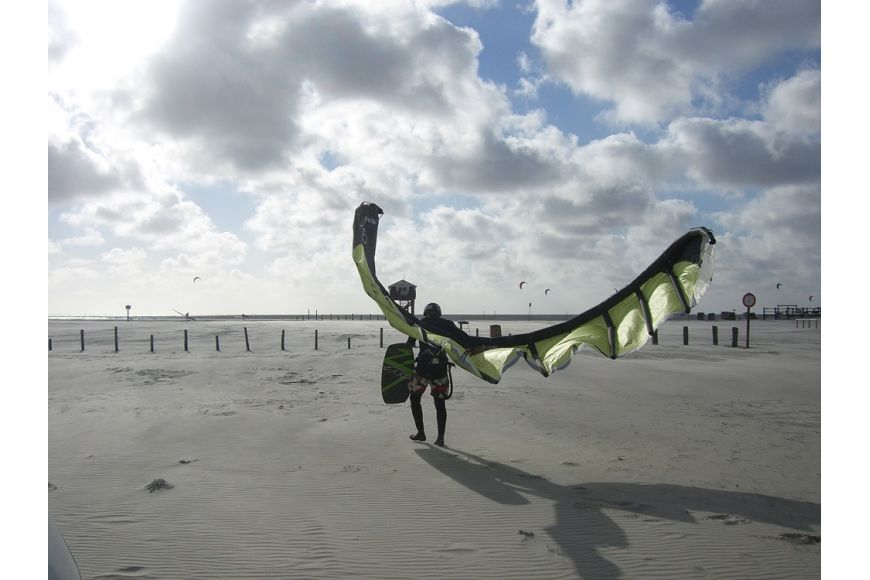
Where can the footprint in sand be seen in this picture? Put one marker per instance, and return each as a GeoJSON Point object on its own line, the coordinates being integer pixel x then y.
{"type": "Point", "coordinates": [631, 505]}
{"type": "Point", "coordinates": [730, 519]}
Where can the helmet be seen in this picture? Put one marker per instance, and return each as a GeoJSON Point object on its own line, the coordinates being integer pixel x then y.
{"type": "Point", "coordinates": [432, 310]}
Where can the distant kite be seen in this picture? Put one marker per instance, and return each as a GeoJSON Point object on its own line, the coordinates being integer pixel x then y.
{"type": "Point", "coordinates": [811, 298]}
{"type": "Point", "coordinates": [521, 284]}
{"type": "Point", "coordinates": [196, 278]}
{"type": "Point", "coordinates": [547, 291]}
{"type": "Point", "coordinates": [778, 285]}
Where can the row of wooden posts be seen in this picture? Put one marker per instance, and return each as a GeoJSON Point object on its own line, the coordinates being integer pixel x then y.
{"type": "Point", "coordinates": [217, 344]}
{"type": "Point", "coordinates": [217, 341]}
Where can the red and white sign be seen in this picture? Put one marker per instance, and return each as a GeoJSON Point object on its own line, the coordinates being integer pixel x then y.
{"type": "Point", "coordinates": [749, 300]}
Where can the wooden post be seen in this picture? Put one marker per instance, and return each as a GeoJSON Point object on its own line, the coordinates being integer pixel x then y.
{"type": "Point", "coordinates": [734, 332]}
{"type": "Point", "coordinates": [685, 335]}
{"type": "Point", "coordinates": [282, 339]}
{"type": "Point", "coordinates": [152, 343]}
{"type": "Point", "coordinates": [116, 339]}
{"type": "Point", "coordinates": [348, 343]}
{"type": "Point", "coordinates": [382, 337]}
{"type": "Point", "coordinates": [82, 337]}
{"type": "Point", "coordinates": [49, 344]}
{"type": "Point", "coordinates": [185, 341]}
{"type": "Point", "coordinates": [217, 343]}
{"type": "Point", "coordinates": [655, 336]}
{"type": "Point", "coordinates": [247, 342]}
{"type": "Point", "coordinates": [315, 340]}
{"type": "Point", "coordinates": [715, 335]}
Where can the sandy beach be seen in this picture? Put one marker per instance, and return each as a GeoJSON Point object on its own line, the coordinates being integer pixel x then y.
{"type": "Point", "coordinates": [695, 461]}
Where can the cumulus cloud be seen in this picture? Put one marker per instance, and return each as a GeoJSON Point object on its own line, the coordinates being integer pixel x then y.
{"type": "Point", "coordinates": [794, 105]}
{"type": "Point", "coordinates": [739, 153]}
{"type": "Point", "coordinates": [91, 237]}
{"type": "Point", "coordinates": [75, 171]}
{"type": "Point", "coordinates": [654, 64]}
{"type": "Point", "coordinates": [773, 238]}
{"type": "Point", "coordinates": [310, 108]}
{"type": "Point", "coordinates": [231, 86]}
{"type": "Point", "coordinates": [60, 36]}
{"type": "Point", "coordinates": [166, 222]}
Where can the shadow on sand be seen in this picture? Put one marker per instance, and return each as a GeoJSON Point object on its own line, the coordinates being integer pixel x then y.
{"type": "Point", "coordinates": [582, 527]}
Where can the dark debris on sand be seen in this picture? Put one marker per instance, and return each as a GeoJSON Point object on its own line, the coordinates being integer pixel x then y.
{"type": "Point", "coordinates": [802, 539]}
{"type": "Point", "coordinates": [158, 484]}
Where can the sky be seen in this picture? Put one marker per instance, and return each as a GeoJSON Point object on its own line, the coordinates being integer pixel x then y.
{"type": "Point", "coordinates": [564, 144]}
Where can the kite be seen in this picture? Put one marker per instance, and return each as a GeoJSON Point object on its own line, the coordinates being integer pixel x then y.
{"type": "Point", "coordinates": [811, 298]}
{"type": "Point", "coordinates": [547, 291]}
{"type": "Point", "coordinates": [778, 285]}
{"type": "Point", "coordinates": [195, 278]}
{"type": "Point", "coordinates": [521, 284]}
{"type": "Point", "coordinates": [623, 323]}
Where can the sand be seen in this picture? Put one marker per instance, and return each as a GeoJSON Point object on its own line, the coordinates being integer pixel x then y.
{"type": "Point", "coordinates": [696, 461]}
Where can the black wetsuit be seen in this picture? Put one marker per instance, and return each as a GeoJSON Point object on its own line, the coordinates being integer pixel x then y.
{"type": "Point", "coordinates": [438, 399]}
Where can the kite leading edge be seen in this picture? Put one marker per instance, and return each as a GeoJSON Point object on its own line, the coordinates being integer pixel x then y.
{"type": "Point", "coordinates": [674, 283]}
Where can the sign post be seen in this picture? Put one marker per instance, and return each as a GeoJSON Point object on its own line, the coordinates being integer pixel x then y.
{"type": "Point", "coordinates": [748, 302]}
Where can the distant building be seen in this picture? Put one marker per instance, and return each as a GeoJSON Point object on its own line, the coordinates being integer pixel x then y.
{"type": "Point", "coordinates": [404, 293]}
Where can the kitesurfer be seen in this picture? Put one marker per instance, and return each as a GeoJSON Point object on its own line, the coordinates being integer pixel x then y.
{"type": "Point", "coordinates": [430, 369]}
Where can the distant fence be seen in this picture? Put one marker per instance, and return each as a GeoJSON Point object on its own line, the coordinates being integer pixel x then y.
{"type": "Point", "coordinates": [790, 311]}
{"type": "Point", "coordinates": [182, 340]}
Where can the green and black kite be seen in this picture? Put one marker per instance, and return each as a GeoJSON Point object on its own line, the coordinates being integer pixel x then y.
{"type": "Point", "coordinates": [672, 284]}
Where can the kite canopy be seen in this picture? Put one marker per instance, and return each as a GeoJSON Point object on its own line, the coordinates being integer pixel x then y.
{"type": "Point", "coordinates": [521, 284]}
{"type": "Point", "coordinates": [672, 284]}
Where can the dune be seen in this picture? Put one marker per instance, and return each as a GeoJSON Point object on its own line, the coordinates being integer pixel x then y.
{"type": "Point", "coordinates": [255, 462]}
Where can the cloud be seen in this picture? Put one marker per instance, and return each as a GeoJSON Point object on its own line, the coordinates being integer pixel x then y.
{"type": "Point", "coordinates": [61, 37]}
{"type": "Point", "coordinates": [231, 85]}
{"type": "Point", "coordinates": [91, 237]}
{"type": "Point", "coordinates": [775, 237]}
{"type": "Point", "coordinates": [794, 105]}
{"type": "Point", "coordinates": [74, 171]}
{"type": "Point", "coordinates": [654, 64]}
{"type": "Point", "coordinates": [165, 222]}
{"type": "Point", "coordinates": [738, 153]}
{"type": "Point", "coordinates": [80, 164]}
{"type": "Point", "coordinates": [310, 108]}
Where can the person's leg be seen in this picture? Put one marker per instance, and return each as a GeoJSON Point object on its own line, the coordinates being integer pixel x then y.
{"type": "Point", "coordinates": [441, 418]}
{"type": "Point", "coordinates": [417, 413]}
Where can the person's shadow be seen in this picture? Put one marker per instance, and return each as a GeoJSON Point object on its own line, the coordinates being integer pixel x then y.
{"type": "Point", "coordinates": [582, 527]}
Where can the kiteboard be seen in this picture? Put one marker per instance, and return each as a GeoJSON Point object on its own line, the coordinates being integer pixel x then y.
{"type": "Point", "coordinates": [396, 372]}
